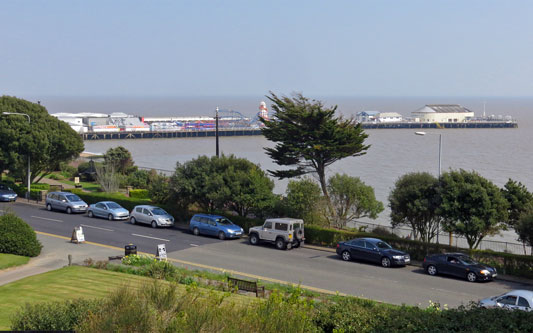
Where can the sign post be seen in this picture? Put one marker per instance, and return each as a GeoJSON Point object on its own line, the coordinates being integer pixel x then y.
{"type": "Point", "coordinates": [161, 252]}
{"type": "Point", "coordinates": [77, 235]}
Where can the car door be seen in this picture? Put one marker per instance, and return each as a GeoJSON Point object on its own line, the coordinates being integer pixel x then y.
{"type": "Point", "coordinates": [523, 304]}
{"type": "Point", "coordinates": [452, 266]}
{"type": "Point", "coordinates": [62, 202]}
{"type": "Point", "coordinates": [203, 225]}
{"type": "Point", "coordinates": [371, 252]}
{"type": "Point", "coordinates": [508, 302]}
{"type": "Point", "coordinates": [146, 216]}
{"type": "Point", "coordinates": [211, 227]}
{"type": "Point", "coordinates": [356, 248]}
{"type": "Point", "coordinates": [99, 210]}
{"type": "Point", "coordinates": [267, 233]}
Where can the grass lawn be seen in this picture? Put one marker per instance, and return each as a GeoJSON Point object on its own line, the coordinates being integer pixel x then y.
{"type": "Point", "coordinates": [91, 187]}
{"type": "Point", "coordinates": [69, 283]}
{"type": "Point", "coordinates": [11, 260]}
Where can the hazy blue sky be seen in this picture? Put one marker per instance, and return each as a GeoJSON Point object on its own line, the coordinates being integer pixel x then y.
{"type": "Point", "coordinates": [213, 48]}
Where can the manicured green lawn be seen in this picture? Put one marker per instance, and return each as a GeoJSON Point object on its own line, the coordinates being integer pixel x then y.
{"type": "Point", "coordinates": [69, 283]}
{"type": "Point", "coordinates": [11, 260]}
{"type": "Point", "coordinates": [92, 187]}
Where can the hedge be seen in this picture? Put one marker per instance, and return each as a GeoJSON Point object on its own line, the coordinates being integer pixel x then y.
{"type": "Point", "coordinates": [17, 237]}
{"type": "Point", "coordinates": [139, 194]}
{"type": "Point", "coordinates": [121, 199]}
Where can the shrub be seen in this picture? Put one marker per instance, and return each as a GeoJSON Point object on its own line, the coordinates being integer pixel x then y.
{"type": "Point", "coordinates": [67, 170]}
{"type": "Point", "coordinates": [137, 260]}
{"type": "Point", "coordinates": [139, 194]}
{"type": "Point", "coordinates": [54, 316]}
{"type": "Point", "coordinates": [139, 179]}
{"type": "Point", "coordinates": [17, 237]}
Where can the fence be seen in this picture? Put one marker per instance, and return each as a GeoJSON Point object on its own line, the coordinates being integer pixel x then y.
{"type": "Point", "coordinates": [457, 241]}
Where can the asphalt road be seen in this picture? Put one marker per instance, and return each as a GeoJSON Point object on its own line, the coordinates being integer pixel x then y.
{"type": "Point", "coordinates": [305, 266]}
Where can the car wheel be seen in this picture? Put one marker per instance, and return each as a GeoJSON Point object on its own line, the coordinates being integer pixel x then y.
{"type": "Point", "coordinates": [196, 231]}
{"type": "Point", "coordinates": [221, 235]}
{"type": "Point", "coordinates": [49, 207]}
{"type": "Point", "coordinates": [90, 213]}
{"type": "Point", "coordinates": [154, 224]}
{"type": "Point", "coordinates": [385, 262]}
{"type": "Point", "coordinates": [280, 244]}
{"type": "Point", "coordinates": [110, 217]}
{"type": "Point", "coordinates": [254, 240]}
{"type": "Point", "coordinates": [69, 210]}
{"type": "Point", "coordinates": [471, 277]}
{"type": "Point", "coordinates": [346, 256]}
{"type": "Point", "coordinates": [296, 244]}
{"type": "Point", "coordinates": [132, 220]}
{"type": "Point", "coordinates": [432, 270]}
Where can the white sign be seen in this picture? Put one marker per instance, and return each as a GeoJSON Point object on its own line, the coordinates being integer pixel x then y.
{"type": "Point", "coordinates": [77, 235]}
{"type": "Point", "coordinates": [161, 252]}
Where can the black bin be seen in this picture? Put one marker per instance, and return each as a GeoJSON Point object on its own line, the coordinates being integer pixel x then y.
{"type": "Point", "coordinates": [130, 249]}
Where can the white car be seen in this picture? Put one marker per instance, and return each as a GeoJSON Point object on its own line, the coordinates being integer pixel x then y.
{"type": "Point", "coordinates": [513, 300]}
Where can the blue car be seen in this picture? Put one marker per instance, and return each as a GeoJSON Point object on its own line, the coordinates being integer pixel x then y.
{"type": "Point", "coordinates": [214, 225]}
{"type": "Point", "coordinates": [109, 210]}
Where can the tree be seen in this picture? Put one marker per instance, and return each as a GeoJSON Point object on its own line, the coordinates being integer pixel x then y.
{"type": "Point", "coordinates": [107, 177]}
{"type": "Point", "coordinates": [47, 140]}
{"type": "Point", "coordinates": [414, 202]}
{"type": "Point", "coordinates": [223, 182]}
{"type": "Point", "coordinates": [304, 200]}
{"type": "Point", "coordinates": [309, 138]}
{"type": "Point", "coordinates": [471, 206]}
{"type": "Point", "coordinates": [519, 198]}
{"type": "Point", "coordinates": [121, 158]}
{"type": "Point", "coordinates": [352, 199]}
{"type": "Point", "coordinates": [524, 229]}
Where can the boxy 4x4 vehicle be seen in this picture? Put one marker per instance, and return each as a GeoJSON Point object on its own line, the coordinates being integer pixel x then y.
{"type": "Point", "coordinates": [285, 233]}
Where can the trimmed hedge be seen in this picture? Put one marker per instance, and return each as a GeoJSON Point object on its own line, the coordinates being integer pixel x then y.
{"type": "Point", "coordinates": [121, 199]}
{"type": "Point", "coordinates": [17, 237]}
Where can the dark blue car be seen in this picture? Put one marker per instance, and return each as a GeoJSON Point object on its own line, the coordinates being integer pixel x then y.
{"type": "Point", "coordinates": [214, 225]}
{"type": "Point", "coordinates": [374, 250]}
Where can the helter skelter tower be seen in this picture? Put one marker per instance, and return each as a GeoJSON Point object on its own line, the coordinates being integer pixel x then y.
{"type": "Point", "coordinates": [263, 111]}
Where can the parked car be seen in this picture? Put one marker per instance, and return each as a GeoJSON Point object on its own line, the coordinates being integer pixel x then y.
{"type": "Point", "coordinates": [109, 210]}
{"type": "Point", "coordinates": [155, 216]}
{"type": "Point", "coordinates": [7, 193]}
{"type": "Point", "coordinates": [65, 201]}
{"type": "Point", "coordinates": [374, 250]}
{"type": "Point", "coordinates": [460, 265]}
{"type": "Point", "coordinates": [512, 300]}
{"type": "Point", "coordinates": [214, 225]}
{"type": "Point", "coordinates": [285, 233]}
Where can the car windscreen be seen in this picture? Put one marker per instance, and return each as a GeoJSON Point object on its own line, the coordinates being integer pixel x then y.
{"type": "Point", "coordinates": [158, 211]}
{"type": "Point", "coordinates": [224, 221]}
{"type": "Point", "coordinates": [73, 197]}
{"type": "Point", "coordinates": [383, 245]}
{"type": "Point", "coordinates": [113, 205]}
{"type": "Point", "coordinates": [467, 260]}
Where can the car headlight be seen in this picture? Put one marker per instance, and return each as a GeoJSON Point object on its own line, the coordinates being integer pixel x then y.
{"type": "Point", "coordinates": [485, 272]}
{"type": "Point", "coordinates": [397, 257]}
{"type": "Point", "coordinates": [242, 230]}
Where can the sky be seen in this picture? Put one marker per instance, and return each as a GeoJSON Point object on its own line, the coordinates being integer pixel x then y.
{"type": "Point", "coordinates": [242, 48]}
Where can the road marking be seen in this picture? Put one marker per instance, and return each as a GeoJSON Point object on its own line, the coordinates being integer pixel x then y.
{"type": "Point", "coordinates": [193, 245]}
{"type": "Point", "coordinates": [253, 276]}
{"type": "Point", "coordinates": [90, 226]}
{"type": "Point", "coordinates": [166, 240]}
{"type": "Point", "coordinates": [44, 218]}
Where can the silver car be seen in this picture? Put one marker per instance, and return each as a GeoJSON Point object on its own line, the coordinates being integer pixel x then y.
{"type": "Point", "coordinates": [66, 201]}
{"type": "Point", "coordinates": [513, 300]}
{"type": "Point", "coordinates": [109, 210]}
{"type": "Point", "coordinates": [155, 216]}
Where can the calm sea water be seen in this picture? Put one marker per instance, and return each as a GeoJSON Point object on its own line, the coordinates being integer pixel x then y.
{"type": "Point", "coordinates": [497, 154]}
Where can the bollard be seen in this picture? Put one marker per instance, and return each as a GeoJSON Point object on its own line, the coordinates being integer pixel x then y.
{"type": "Point", "coordinates": [70, 259]}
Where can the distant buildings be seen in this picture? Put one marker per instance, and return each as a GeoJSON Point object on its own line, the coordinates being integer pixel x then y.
{"type": "Point", "coordinates": [431, 113]}
{"type": "Point", "coordinates": [378, 117]}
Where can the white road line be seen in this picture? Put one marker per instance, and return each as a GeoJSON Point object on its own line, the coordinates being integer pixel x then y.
{"type": "Point", "coordinates": [90, 226]}
{"type": "Point", "coordinates": [193, 245]}
{"type": "Point", "coordinates": [166, 240]}
{"type": "Point", "coordinates": [44, 218]}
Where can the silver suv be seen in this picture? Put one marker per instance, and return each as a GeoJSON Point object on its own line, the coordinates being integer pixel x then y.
{"type": "Point", "coordinates": [66, 201]}
{"type": "Point", "coordinates": [285, 233]}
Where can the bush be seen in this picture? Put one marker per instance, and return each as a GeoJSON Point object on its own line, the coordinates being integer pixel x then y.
{"type": "Point", "coordinates": [67, 170]}
{"type": "Point", "coordinates": [139, 194]}
{"type": "Point", "coordinates": [17, 237]}
{"type": "Point", "coordinates": [137, 260]}
{"type": "Point", "coordinates": [139, 179]}
{"type": "Point", "coordinates": [54, 316]}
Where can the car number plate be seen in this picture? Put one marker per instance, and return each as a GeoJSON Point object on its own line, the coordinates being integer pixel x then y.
{"type": "Point", "coordinates": [494, 275]}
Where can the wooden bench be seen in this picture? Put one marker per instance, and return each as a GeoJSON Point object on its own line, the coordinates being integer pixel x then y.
{"type": "Point", "coordinates": [247, 286]}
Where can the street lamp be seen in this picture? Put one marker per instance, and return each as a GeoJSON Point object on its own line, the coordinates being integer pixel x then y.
{"type": "Point", "coordinates": [216, 131]}
{"type": "Point", "coordinates": [29, 170]}
{"type": "Point", "coordinates": [440, 158]}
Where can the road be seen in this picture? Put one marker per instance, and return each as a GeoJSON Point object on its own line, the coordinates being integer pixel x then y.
{"type": "Point", "coordinates": [317, 269]}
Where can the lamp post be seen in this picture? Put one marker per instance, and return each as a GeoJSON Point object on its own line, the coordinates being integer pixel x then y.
{"type": "Point", "coordinates": [440, 159]}
{"type": "Point", "coordinates": [29, 170]}
{"type": "Point", "coordinates": [216, 131]}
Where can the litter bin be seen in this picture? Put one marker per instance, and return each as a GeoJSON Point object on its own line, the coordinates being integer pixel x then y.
{"type": "Point", "coordinates": [130, 249]}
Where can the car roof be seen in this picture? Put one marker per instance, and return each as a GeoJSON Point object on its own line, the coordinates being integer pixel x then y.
{"type": "Point", "coordinates": [145, 206]}
{"type": "Point", "coordinates": [209, 215]}
{"type": "Point", "coordinates": [520, 292]}
{"type": "Point", "coordinates": [106, 202]}
{"type": "Point", "coordinates": [285, 220]}
{"type": "Point", "coordinates": [59, 192]}
{"type": "Point", "coordinates": [374, 240]}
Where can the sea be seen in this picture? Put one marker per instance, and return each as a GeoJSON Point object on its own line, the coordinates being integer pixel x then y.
{"type": "Point", "coordinates": [496, 154]}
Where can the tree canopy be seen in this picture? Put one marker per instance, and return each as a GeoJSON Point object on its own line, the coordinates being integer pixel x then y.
{"type": "Point", "coordinates": [414, 202]}
{"type": "Point", "coordinates": [472, 206]}
{"type": "Point", "coordinates": [309, 138]}
{"type": "Point", "coordinates": [47, 140]}
{"type": "Point", "coordinates": [519, 198]}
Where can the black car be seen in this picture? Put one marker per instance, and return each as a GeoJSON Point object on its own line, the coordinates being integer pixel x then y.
{"type": "Point", "coordinates": [372, 249]}
{"type": "Point", "coordinates": [460, 265]}
{"type": "Point", "coordinates": [7, 193]}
